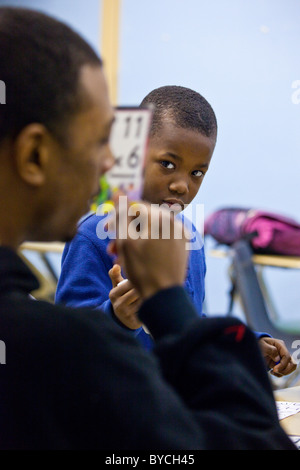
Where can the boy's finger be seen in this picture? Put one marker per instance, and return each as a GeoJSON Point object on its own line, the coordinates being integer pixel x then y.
{"type": "Point", "coordinates": [115, 275]}
{"type": "Point", "coordinates": [282, 366]}
{"type": "Point", "coordinates": [271, 351]}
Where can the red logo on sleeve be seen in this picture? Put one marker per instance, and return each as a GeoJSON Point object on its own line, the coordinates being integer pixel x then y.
{"type": "Point", "coordinates": [239, 331]}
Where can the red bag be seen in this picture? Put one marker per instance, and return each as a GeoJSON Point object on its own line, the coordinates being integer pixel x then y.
{"type": "Point", "coordinates": [267, 232]}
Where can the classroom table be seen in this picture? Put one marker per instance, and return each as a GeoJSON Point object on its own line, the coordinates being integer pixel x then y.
{"type": "Point", "coordinates": [43, 247]}
{"type": "Point", "coordinates": [278, 261]}
{"type": "Point", "coordinates": [291, 424]}
{"type": "Point", "coordinates": [261, 261]}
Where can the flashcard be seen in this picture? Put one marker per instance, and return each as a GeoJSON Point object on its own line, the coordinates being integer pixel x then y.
{"type": "Point", "coordinates": [128, 143]}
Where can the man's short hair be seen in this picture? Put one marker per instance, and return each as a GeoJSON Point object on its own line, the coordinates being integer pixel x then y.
{"type": "Point", "coordinates": [40, 61]}
{"type": "Point", "coordinates": [187, 108]}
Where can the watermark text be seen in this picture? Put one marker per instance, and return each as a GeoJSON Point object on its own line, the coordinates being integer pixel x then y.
{"type": "Point", "coordinates": [296, 94]}
{"type": "Point", "coordinates": [2, 92]}
{"type": "Point", "coordinates": [2, 352]}
{"type": "Point", "coordinates": [148, 224]}
{"type": "Point", "coordinates": [296, 353]}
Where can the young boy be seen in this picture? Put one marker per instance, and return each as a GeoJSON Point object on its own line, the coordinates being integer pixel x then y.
{"type": "Point", "coordinates": [181, 144]}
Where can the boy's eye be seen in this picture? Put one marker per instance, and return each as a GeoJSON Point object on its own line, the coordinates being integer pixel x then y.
{"type": "Point", "coordinates": [167, 164]}
{"type": "Point", "coordinates": [197, 173]}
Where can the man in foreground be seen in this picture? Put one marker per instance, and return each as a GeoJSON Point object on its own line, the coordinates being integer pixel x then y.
{"type": "Point", "coordinates": [72, 379]}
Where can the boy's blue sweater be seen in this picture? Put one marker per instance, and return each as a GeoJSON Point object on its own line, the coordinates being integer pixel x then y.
{"type": "Point", "coordinates": [84, 279]}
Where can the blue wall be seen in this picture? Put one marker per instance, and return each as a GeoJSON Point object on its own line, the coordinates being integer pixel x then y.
{"type": "Point", "coordinates": [81, 15]}
{"type": "Point", "coordinates": [243, 56]}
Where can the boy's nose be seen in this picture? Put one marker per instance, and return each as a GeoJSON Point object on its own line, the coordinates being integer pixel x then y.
{"type": "Point", "coordinates": [179, 186]}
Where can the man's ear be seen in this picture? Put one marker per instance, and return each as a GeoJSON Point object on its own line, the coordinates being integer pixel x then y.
{"type": "Point", "coordinates": [31, 152]}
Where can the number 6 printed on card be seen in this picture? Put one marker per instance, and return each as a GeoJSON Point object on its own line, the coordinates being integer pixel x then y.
{"type": "Point", "coordinates": [128, 142]}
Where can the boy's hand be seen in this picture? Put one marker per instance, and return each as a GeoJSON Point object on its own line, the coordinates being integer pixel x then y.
{"type": "Point", "coordinates": [124, 298]}
{"type": "Point", "coordinates": [277, 356]}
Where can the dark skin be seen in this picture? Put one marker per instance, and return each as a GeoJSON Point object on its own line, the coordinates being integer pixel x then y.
{"type": "Point", "coordinates": [38, 175]}
{"type": "Point", "coordinates": [36, 203]}
{"type": "Point", "coordinates": [274, 351]}
{"type": "Point", "coordinates": [177, 161]}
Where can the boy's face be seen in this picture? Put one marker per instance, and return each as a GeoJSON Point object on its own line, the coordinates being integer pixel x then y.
{"type": "Point", "coordinates": [176, 163]}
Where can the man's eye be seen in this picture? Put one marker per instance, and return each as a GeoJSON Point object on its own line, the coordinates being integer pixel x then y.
{"type": "Point", "coordinates": [168, 165]}
{"type": "Point", "coordinates": [197, 173]}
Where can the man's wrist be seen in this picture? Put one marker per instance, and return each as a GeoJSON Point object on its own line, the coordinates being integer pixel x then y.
{"type": "Point", "coordinates": [150, 290]}
{"type": "Point", "coordinates": [168, 311]}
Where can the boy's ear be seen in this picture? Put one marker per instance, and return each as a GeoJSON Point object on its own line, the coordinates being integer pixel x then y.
{"type": "Point", "coordinates": [31, 154]}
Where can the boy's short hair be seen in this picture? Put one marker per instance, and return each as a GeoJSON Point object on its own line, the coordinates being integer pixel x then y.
{"type": "Point", "coordinates": [187, 108]}
{"type": "Point", "coordinates": [40, 61]}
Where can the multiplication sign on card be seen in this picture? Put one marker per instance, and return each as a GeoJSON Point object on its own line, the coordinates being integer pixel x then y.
{"type": "Point", "coordinates": [128, 143]}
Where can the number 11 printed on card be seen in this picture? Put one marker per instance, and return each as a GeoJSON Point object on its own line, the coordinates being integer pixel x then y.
{"type": "Point", "coordinates": [128, 143]}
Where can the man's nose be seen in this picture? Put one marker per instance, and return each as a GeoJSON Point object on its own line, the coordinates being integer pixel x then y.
{"type": "Point", "coordinates": [109, 161]}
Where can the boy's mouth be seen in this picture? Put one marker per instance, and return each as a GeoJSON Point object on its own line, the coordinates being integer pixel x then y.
{"type": "Point", "coordinates": [172, 202]}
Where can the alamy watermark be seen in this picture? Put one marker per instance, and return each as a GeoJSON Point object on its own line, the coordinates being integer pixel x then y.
{"type": "Point", "coordinates": [296, 353]}
{"type": "Point", "coordinates": [2, 92]}
{"type": "Point", "coordinates": [149, 225]}
{"type": "Point", "coordinates": [2, 352]}
{"type": "Point", "coordinates": [296, 94]}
